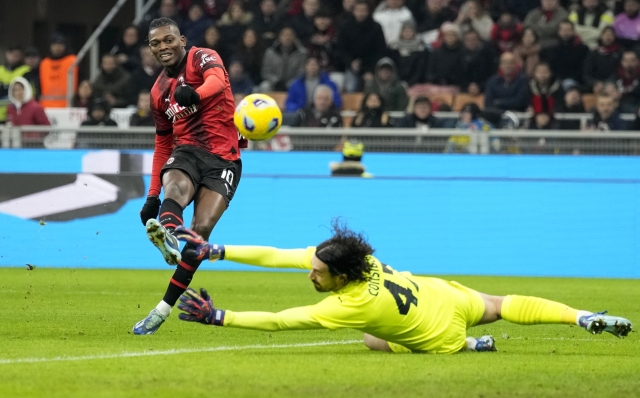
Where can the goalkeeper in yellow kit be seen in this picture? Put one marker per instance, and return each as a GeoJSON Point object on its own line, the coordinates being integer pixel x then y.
{"type": "Point", "coordinates": [397, 311]}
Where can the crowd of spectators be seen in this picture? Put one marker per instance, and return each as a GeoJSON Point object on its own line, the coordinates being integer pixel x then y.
{"type": "Point", "coordinates": [537, 56]}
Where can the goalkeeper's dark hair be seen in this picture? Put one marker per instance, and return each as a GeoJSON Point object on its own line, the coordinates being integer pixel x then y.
{"type": "Point", "coordinates": [160, 22]}
{"type": "Point", "coordinates": [346, 253]}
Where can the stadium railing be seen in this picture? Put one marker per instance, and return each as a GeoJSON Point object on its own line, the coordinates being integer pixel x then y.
{"type": "Point", "coordinates": [419, 140]}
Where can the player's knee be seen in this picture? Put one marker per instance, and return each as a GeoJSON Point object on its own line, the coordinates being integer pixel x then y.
{"type": "Point", "coordinates": [375, 344]}
{"type": "Point", "coordinates": [177, 189]}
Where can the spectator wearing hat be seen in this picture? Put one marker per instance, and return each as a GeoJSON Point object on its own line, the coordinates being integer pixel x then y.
{"type": "Point", "coordinates": [32, 59]}
{"type": "Point", "coordinates": [301, 90]}
{"type": "Point", "coordinates": [13, 67]}
{"type": "Point", "coordinates": [445, 62]}
{"type": "Point", "coordinates": [410, 55]}
{"type": "Point", "coordinates": [239, 80]}
{"type": "Point", "coordinates": [351, 165]}
{"type": "Point", "coordinates": [545, 21]}
{"type": "Point", "coordinates": [386, 83]}
{"type": "Point", "coordinates": [508, 89]}
{"type": "Point", "coordinates": [24, 110]}
{"type": "Point", "coordinates": [602, 63]}
{"type": "Point", "coordinates": [627, 24]}
{"type": "Point", "coordinates": [112, 82]}
{"type": "Point", "coordinates": [421, 116]}
{"type": "Point", "coordinates": [391, 14]}
{"type": "Point", "coordinates": [360, 45]}
{"type": "Point", "coordinates": [566, 57]}
{"type": "Point", "coordinates": [570, 103]}
{"type": "Point", "coordinates": [321, 112]}
{"type": "Point", "coordinates": [590, 18]}
{"type": "Point", "coordinates": [371, 113]}
{"type": "Point", "coordinates": [54, 74]}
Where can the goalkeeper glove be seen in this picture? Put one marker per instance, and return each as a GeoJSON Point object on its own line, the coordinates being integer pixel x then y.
{"type": "Point", "coordinates": [186, 96]}
{"type": "Point", "coordinates": [199, 308]}
{"type": "Point", "coordinates": [203, 248]}
{"type": "Point", "coordinates": [150, 209]}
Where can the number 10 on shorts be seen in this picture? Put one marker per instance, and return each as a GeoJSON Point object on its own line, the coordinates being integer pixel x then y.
{"type": "Point", "coordinates": [227, 175]}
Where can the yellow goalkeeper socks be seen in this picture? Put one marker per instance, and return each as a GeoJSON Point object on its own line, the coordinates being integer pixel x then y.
{"type": "Point", "coordinates": [527, 310]}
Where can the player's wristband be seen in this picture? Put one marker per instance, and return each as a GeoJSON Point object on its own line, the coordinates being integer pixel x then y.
{"type": "Point", "coordinates": [216, 252]}
{"type": "Point", "coordinates": [218, 318]}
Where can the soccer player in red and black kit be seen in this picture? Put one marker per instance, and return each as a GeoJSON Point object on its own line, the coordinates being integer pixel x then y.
{"type": "Point", "coordinates": [196, 157]}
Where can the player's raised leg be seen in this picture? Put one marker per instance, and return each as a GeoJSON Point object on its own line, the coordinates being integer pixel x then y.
{"type": "Point", "coordinates": [209, 207]}
{"type": "Point", "coordinates": [527, 310]}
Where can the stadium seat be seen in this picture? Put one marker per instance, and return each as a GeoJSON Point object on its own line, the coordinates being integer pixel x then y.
{"type": "Point", "coordinates": [280, 97]}
{"type": "Point", "coordinates": [460, 100]}
{"type": "Point", "coordinates": [589, 101]}
{"type": "Point", "coordinates": [351, 101]}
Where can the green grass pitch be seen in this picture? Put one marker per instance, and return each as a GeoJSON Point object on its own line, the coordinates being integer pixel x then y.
{"type": "Point", "coordinates": [66, 333]}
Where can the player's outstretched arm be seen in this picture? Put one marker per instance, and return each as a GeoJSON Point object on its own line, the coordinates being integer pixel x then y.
{"type": "Point", "coordinates": [199, 308]}
{"type": "Point", "coordinates": [262, 256]}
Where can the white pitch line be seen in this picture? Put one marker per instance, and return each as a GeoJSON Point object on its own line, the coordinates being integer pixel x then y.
{"type": "Point", "coordinates": [125, 354]}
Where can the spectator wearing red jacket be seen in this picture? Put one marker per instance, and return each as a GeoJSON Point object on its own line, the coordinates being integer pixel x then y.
{"type": "Point", "coordinates": [25, 111]}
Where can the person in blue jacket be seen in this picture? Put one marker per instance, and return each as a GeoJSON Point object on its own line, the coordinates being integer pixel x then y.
{"type": "Point", "coordinates": [301, 90]}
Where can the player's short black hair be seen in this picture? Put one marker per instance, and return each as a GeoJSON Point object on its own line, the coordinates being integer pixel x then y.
{"type": "Point", "coordinates": [164, 21]}
{"type": "Point", "coordinates": [346, 253]}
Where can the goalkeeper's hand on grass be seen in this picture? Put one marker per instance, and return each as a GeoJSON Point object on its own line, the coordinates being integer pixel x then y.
{"type": "Point", "coordinates": [203, 249]}
{"type": "Point", "coordinates": [199, 308]}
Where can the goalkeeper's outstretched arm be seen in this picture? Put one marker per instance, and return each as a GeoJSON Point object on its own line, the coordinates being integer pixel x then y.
{"type": "Point", "coordinates": [262, 256]}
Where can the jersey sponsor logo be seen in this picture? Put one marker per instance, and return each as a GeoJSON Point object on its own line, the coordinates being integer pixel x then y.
{"type": "Point", "coordinates": [171, 159]}
{"type": "Point", "coordinates": [175, 112]}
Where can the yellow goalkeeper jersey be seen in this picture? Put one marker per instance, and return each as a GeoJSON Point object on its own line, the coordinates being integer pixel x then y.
{"type": "Point", "coordinates": [421, 314]}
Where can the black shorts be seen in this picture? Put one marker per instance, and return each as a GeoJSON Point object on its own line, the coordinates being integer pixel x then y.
{"type": "Point", "coordinates": [206, 169]}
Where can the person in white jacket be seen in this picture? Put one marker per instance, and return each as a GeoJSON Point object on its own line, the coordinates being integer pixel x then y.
{"type": "Point", "coordinates": [391, 14]}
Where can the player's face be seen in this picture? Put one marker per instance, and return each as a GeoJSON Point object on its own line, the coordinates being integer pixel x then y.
{"type": "Point", "coordinates": [167, 45]}
{"type": "Point", "coordinates": [323, 280]}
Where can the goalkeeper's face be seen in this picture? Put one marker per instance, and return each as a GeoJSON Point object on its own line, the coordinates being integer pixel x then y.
{"type": "Point", "coordinates": [323, 280]}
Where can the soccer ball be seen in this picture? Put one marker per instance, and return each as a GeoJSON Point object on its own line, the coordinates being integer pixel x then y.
{"type": "Point", "coordinates": [258, 117]}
